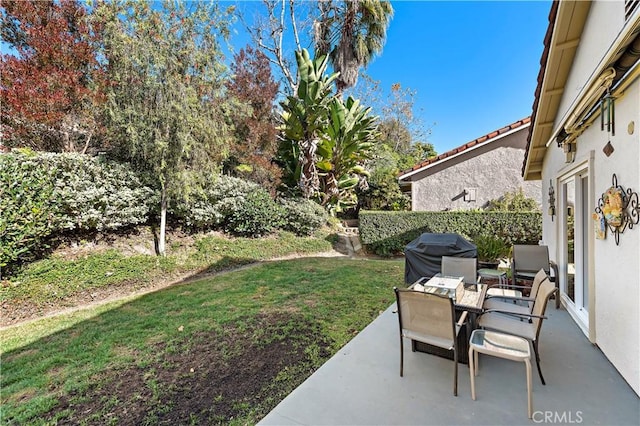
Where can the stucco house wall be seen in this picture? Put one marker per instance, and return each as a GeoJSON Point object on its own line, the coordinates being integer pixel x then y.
{"type": "Point", "coordinates": [491, 170]}
{"type": "Point", "coordinates": [593, 45]}
{"type": "Point", "coordinates": [615, 268]}
{"type": "Point", "coordinates": [610, 317]}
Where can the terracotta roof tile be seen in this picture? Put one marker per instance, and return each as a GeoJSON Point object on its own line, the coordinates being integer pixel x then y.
{"type": "Point", "coordinates": [468, 145]}
{"type": "Point", "coordinates": [543, 67]}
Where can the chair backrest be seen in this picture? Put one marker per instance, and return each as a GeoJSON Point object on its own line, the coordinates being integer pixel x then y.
{"type": "Point", "coordinates": [547, 288]}
{"type": "Point", "coordinates": [460, 267]}
{"type": "Point", "coordinates": [427, 314]}
{"type": "Point", "coordinates": [537, 280]}
{"type": "Point", "coordinates": [531, 258]}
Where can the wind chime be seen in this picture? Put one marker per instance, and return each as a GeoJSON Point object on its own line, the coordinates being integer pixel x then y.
{"type": "Point", "coordinates": [608, 120]}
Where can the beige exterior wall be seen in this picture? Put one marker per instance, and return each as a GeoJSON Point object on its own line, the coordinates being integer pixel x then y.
{"type": "Point", "coordinates": [606, 18]}
{"type": "Point", "coordinates": [492, 171]}
{"type": "Point", "coordinates": [612, 317]}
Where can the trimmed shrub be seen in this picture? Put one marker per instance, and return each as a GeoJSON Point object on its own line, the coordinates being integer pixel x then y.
{"type": "Point", "coordinates": [387, 233]}
{"type": "Point", "coordinates": [515, 201]}
{"type": "Point", "coordinates": [99, 195]}
{"type": "Point", "coordinates": [242, 208]}
{"type": "Point", "coordinates": [302, 216]}
{"type": "Point", "coordinates": [255, 215]}
{"type": "Point", "coordinates": [43, 194]}
{"type": "Point", "coordinates": [210, 208]}
{"type": "Point", "coordinates": [27, 209]}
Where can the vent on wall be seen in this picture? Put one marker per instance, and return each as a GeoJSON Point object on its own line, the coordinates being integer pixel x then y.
{"type": "Point", "coordinates": [470, 194]}
{"type": "Point", "coordinates": [629, 7]}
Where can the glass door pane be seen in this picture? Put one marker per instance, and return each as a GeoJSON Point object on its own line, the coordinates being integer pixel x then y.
{"type": "Point", "coordinates": [569, 221]}
{"type": "Point", "coordinates": [584, 185]}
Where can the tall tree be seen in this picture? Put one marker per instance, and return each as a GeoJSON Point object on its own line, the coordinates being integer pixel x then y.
{"type": "Point", "coordinates": [252, 154]}
{"type": "Point", "coordinates": [50, 80]}
{"type": "Point", "coordinates": [403, 125]}
{"type": "Point", "coordinates": [351, 33]}
{"type": "Point", "coordinates": [401, 145]}
{"type": "Point", "coordinates": [325, 141]}
{"type": "Point", "coordinates": [279, 29]}
{"type": "Point", "coordinates": [166, 110]}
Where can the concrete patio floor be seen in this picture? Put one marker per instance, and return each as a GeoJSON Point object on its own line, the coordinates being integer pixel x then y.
{"type": "Point", "coordinates": [361, 385]}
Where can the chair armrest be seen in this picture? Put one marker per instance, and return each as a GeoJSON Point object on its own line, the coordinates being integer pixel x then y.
{"type": "Point", "coordinates": [515, 314]}
{"type": "Point", "coordinates": [510, 287]}
{"type": "Point", "coordinates": [463, 318]}
{"type": "Point", "coordinates": [554, 268]}
{"type": "Point", "coordinates": [497, 296]}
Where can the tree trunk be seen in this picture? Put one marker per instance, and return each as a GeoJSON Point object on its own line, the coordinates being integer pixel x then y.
{"type": "Point", "coordinates": [163, 220]}
{"type": "Point", "coordinates": [309, 182]}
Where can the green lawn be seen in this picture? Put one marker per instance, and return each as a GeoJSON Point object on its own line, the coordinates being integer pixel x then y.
{"type": "Point", "coordinates": [223, 350]}
{"type": "Point", "coordinates": [56, 280]}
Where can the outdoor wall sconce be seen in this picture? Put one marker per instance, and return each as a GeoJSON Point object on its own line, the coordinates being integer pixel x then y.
{"type": "Point", "coordinates": [567, 144]}
{"type": "Point", "coordinates": [552, 200]}
{"type": "Point", "coordinates": [562, 135]}
{"type": "Point", "coordinates": [569, 149]}
{"type": "Point", "coordinates": [619, 208]}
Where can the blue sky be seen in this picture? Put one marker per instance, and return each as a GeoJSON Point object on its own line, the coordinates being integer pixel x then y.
{"type": "Point", "coordinates": [474, 65]}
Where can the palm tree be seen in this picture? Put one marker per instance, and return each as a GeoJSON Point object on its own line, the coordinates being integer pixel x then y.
{"type": "Point", "coordinates": [351, 33]}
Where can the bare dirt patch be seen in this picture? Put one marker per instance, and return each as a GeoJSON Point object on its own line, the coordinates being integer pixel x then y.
{"type": "Point", "coordinates": [211, 378]}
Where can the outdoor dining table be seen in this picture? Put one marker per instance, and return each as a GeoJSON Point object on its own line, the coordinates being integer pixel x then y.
{"type": "Point", "coordinates": [466, 297]}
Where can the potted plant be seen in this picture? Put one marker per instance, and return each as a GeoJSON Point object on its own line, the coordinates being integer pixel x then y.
{"type": "Point", "coordinates": [490, 250]}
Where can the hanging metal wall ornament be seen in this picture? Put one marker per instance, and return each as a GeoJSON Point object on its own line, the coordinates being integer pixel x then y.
{"type": "Point", "coordinates": [552, 200]}
{"type": "Point", "coordinates": [608, 113]}
{"type": "Point", "coordinates": [608, 120]}
{"type": "Point", "coordinates": [619, 208]}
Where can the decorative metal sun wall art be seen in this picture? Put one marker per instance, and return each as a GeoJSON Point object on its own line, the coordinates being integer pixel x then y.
{"type": "Point", "coordinates": [619, 208]}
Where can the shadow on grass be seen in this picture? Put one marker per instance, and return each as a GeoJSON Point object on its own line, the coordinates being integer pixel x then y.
{"type": "Point", "coordinates": [223, 349]}
{"type": "Point", "coordinates": [212, 351]}
{"type": "Point", "coordinates": [54, 288]}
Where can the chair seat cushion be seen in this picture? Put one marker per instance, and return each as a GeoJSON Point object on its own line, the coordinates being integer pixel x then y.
{"type": "Point", "coordinates": [494, 291]}
{"type": "Point", "coordinates": [503, 305]}
{"type": "Point", "coordinates": [429, 340]}
{"type": "Point", "coordinates": [507, 324]}
{"type": "Point", "coordinates": [501, 345]}
{"type": "Point", "coordinates": [526, 275]}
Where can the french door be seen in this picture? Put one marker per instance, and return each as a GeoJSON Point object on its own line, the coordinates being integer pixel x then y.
{"type": "Point", "coordinates": [574, 248]}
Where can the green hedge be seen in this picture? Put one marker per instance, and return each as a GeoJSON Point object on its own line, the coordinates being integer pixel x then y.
{"type": "Point", "coordinates": [245, 209]}
{"type": "Point", "coordinates": [386, 233]}
{"type": "Point", "coordinates": [211, 207]}
{"type": "Point", "coordinates": [42, 194]}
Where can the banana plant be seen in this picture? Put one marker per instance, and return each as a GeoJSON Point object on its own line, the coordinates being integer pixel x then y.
{"type": "Point", "coordinates": [304, 118]}
{"type": "Point", "coordinates": [324, 141]}
{"type": "Point", "coordinates": [347, 144]}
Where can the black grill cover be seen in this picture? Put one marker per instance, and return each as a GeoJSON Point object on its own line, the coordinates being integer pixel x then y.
{"type": "Point", "coordinates": [423, 256]}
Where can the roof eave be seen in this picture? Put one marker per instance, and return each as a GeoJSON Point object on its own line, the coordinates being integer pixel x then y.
{"type": "Point", "coordinates": [468, 147]}
{"type": "Point", "coordinates": [566, 22]}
